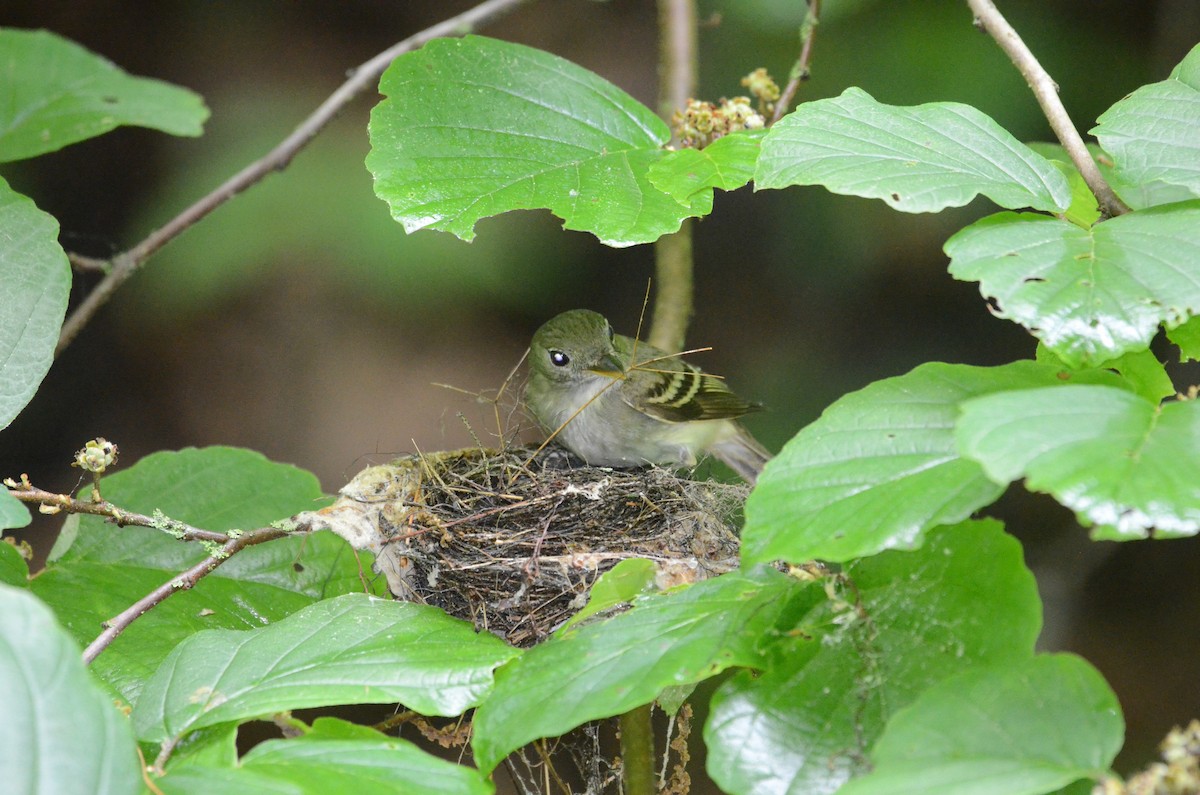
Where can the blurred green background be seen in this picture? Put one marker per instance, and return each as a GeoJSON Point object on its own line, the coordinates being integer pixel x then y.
{"type": "Point", "coordinates": [299, 320]}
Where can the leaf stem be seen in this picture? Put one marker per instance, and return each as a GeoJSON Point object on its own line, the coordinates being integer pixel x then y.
{"type": "Point", "coordinates": [991, 21]}
{"type": "Point", "coordinates": [125, 264]}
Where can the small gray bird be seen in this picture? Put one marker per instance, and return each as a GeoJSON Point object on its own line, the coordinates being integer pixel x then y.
{"type": "Point", "coordinates": [612, 409]}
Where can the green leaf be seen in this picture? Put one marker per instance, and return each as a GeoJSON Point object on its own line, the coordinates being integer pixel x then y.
{"type": "Point", "coordinates": [917, 159]}
{"type": "Point", "coordinates": [107, 568]}
{"type": "Point", "coordinates": [1187, 337]}
{"type": "Point", "coordinates": [474, 127]}
{"type": "Point", "coordinates": [1145, 373]}
{"type": "Point", "coordinates": [1083, 210]}
{"type": "Point", "coordinates": [804, 725]}
{"type": "Point", "coordinates": [1116, 459]}
{"type": "Point", "coordinates": [880, 467]}
{"type": "Point", "coordinates": [58, 732]}
{"type": "Point", "coordinates": [54, 93]}
{"type": "Point", "coordinates": [13, 513]}
{"type": "Point", "coordinates": [212, 746]}
{"type": "Point", "coordinates": [340, 757]}
{"type": "Point", "coordinates": [619, 585]}
{"type": "Point", "coordinates": [1090, 294]}
{"type": "Point", "coordinates": [322, 763]}
{"type": "Point", "coordinates": [607, 668]}
{"type": "Point", "coordinates": [355, 649]}
{"type": "Point", "coordinates": [37, 280]}
{"type": "Point", "coordinates": [13, 568]}
{"type": "Point", "coordinates": [1021, 729]}
{"type": "Point", "coordinates": [1153, 134]}
{"type": "Point", "coordinates": [727, 163]}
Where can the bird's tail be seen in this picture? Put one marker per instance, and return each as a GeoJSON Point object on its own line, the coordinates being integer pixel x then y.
{"type": "Point", "coordinates": [742, 453]}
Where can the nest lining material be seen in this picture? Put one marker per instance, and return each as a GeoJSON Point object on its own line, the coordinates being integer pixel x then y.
{"type": "Point", "coordinates": [512, 541]}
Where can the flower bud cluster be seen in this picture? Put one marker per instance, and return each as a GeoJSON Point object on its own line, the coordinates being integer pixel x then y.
{"type": "Point", "coordinates": [702, 122]}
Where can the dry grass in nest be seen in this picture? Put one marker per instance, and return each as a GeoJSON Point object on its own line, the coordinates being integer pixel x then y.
{"type": "Point", "coordinates": [513, 541]}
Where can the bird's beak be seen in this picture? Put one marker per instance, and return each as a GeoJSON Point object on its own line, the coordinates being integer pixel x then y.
{"type": "Point", "coordinates": [608, 366]}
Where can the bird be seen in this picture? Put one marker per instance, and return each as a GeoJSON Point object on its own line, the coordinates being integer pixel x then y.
{"type": "Point", "coordinates": [618, 402]}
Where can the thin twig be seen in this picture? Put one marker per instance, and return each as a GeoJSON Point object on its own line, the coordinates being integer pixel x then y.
{"type": "Point", "coordinates": [126, 264]}
{"type": "Point", "coordinates": [53, 503]}
{"type": "Point", "coordinates": [989, 19]}
{"type": "Point", "coordinates": [801, 70]}
{"type": "Point", "coordinates": [182, 582]}
{"type": "Point", "coordinates": [85, 264]}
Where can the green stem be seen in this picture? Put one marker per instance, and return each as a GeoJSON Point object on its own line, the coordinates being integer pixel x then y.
{"type": "Point", "coordinates": [673, 289]}
{"type": "Point", "coordinates": [673, 254]}
{"type": "Point", "coordinates": [637, 750]}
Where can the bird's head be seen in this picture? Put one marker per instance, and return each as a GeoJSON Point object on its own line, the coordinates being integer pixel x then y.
{"type": "Point", "coordinates": [575, 345]}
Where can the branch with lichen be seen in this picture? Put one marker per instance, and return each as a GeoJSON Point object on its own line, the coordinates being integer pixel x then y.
{"type": "Point", "coordinates": [52, 502]}
{"type": "Point", "coordinates": [96, 457]}
{"type": "Point", "coordinates": [181, 582]}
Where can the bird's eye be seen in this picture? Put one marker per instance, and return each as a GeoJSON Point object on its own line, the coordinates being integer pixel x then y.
{"type": "Point", "coordinates": [559, 359]}
{"type": "Point", "coordinates": [610, 334]}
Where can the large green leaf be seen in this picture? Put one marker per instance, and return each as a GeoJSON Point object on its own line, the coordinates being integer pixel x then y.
{"type": "Point", "coordinates": [609, 667]}
{"type": "Point", "coordinates": [59, 733]}
{"type": "Point", "coordinates": [803, 726]}
{"type": "Point", "coordinates": [356, 649]}
{"type": "Point", "coordinates": [475, 127]}
{"type": "Point", "coordinates": [1118, 460]}
{"type": "Point", "coordinates": [1021, 729]}
{"type": "Point", "coordinates": [917, 159]}
{"type": "Point", "coordinates": [335, 757]}
{"type": "Point", "coordinates": [37, 280]}
{"type": "Point", "coordinates": [1090, 294]}
{"type": "Point", "coordinates": [1153, 134]}
{"type": "Point", "coordinates": [54, 93]}
{"type": "Point", "coordinates": [105, 568]}
{"type": "Point", "coordinates": [880, 467]}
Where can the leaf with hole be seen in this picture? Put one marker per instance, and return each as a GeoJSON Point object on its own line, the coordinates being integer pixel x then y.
{"type": "Point", "coordinates": [1090, 295]}
{"type": "Point", "coordinates": [56, 93]}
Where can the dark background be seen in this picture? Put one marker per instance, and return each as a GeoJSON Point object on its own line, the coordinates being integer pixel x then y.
{"type": "Point", "coordinates": [300, 321]}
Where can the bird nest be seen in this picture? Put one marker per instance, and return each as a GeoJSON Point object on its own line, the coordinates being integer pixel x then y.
{"type": "Point", "coordinates": [513, 540]}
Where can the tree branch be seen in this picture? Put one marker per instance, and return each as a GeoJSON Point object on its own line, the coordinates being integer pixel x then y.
{"type": "Point", "coordinates": [800, 70]}
{"type": "Point", "coordinates": [673, 266]}
{"type": "Point", "coordinates": [185, 581]}
{"type": "Point", "coordinates": [127, 263]}
{"type": "Point", "coordinates": [989, 18]}
{"type": "Point", "coordinates": [50, 502]}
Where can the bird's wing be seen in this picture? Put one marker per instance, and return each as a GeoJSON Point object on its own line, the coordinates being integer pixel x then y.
{"type": "Point", "coordinates": [665, 387]}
